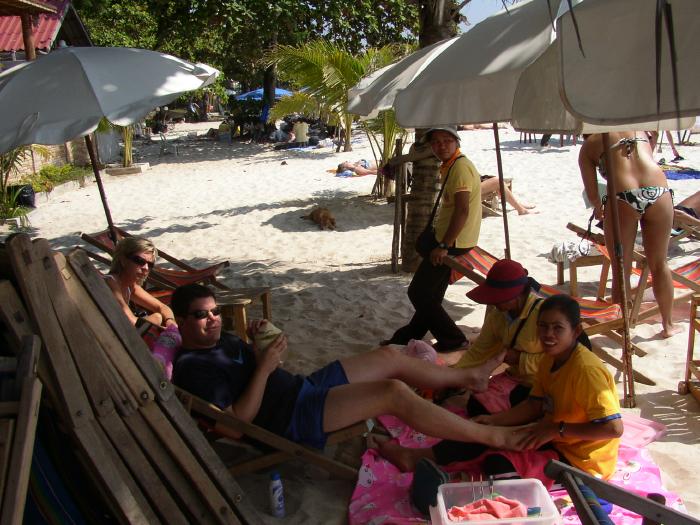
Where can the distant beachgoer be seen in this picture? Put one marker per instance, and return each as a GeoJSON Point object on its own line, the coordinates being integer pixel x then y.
{"type": "Point", "coordinates": [490, 184]}
{"type": "Point", "coordinates": [360, 168]}
{"type": "Point", "coordinates": [132, 260]}
{"type": "Point", "coordinates": [301, 132]}
{"type": "Point", "coordinates": [645, 198]}
{"type": "Point", "coordinates": [654, 139]}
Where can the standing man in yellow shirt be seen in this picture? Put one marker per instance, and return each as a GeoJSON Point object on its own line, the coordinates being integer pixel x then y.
{"type": "Point", "coordinates": [457, 226]}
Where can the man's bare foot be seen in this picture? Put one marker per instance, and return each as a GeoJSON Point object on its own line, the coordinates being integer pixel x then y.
{"type": "Point", "coordinates": [477, 377]}
{"type": "Point", "coordinates": [670, 330]}
{"type": "Point", "coordinates": [403, 458]}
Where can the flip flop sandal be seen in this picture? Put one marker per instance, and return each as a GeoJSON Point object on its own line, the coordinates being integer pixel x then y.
{"type": "Point", "coordinates": [426, 480]}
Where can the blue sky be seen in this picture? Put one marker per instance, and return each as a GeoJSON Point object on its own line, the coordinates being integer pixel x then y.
{"type": "Point", "coordinates": [477, 10]}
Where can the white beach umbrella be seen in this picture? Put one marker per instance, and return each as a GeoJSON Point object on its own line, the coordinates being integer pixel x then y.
{"type": "Point", "coordinates": [473, 80]}
{"type": "Point", "coordinates": [614, 80]}
{"type": "Point", "coordinates": [65, 94]}
{"type": "Point", "coordinates": [376, 92]}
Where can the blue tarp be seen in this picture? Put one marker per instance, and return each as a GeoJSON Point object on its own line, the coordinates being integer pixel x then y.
{"type": "Point", "coordinates": [257, 94]}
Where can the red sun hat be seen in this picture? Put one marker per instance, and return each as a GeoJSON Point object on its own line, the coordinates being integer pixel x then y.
{"type": "Point", "coordinates": [505, 281]}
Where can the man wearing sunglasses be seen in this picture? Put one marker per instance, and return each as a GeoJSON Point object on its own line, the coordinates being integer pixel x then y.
{"type": "Point", "coordinates": [237, 377]}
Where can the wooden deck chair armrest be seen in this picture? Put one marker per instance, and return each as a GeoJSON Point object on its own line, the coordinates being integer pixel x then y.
{"type": "Point", "coordinates": [97, 243]}
{"type": "Point", "coordinates": [583, 233]}
{"type": "Point", "coordinates": [467, 272]}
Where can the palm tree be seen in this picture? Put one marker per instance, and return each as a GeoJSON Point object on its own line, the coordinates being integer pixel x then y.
{"type": "Point", "coordinates": [10, 163]}
{"type": "Point", "coordinates": [326, 71]}
{"type": "Point", "coordinates": [383, 132]}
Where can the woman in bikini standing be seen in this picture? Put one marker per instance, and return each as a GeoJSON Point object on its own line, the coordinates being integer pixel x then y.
{"type": "Point", "coordinates": [645, 197]}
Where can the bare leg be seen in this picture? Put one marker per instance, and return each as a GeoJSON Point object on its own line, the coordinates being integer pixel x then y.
{"type": "Point", "coordinates": [348, 404]}
{"type": "Point", "coordinates": [387, 362]}
{"type": "Point", "coordinates": [492, 186]}
{"type": "Point", "coordinates": [676, 155]}
{"type": "Point", "coordinates": [656, 228]}
{"type": "Point", "coordinates": [628, 230]}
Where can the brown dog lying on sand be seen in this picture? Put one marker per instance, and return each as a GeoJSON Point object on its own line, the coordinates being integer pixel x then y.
{"type": "Point", "coordinates": [323, 217]}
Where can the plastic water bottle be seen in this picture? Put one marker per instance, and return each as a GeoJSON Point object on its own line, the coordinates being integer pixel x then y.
{"type": "Point", "coordinates": [276, 496]}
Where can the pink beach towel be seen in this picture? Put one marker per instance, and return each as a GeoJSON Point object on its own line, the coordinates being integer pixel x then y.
{"type": "Point", "coordinates": [382, 491]}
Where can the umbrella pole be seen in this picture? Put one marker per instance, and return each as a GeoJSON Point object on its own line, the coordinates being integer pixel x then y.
{"type": "Point", "coordinates": [502, 186]}
{"type": "Point", "coordinates": [100, 187]}
{"type": "Point", "coordinates": [611, 208]}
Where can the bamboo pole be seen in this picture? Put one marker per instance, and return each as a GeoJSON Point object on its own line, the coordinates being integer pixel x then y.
{"type": "Point", "coordinates": [617, 263]}
{"type": "Point", "coordinates": [502, 186]}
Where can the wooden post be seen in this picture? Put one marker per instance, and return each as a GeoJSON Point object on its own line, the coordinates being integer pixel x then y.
{"type": "Point", "coordinates": [617, 263]}
{"type": "Point", "coordinates": [398, 212]}
{"type": "Point", "coordinates": [28, 36]}
{"type": "Point", "coordinates": [502, 186]}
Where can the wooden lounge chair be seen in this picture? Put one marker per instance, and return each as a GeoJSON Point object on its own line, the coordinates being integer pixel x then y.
{"type": "Point", "coordinates": [598, 316]}
{"type": "Point", "coordinates": [135, 442]}
{"type": "Point", "coordinates": [233, 300]}
{"type": "Point", "coordinates": [685, 277]}
{"type": "Point", "coordinates": [277, 449]}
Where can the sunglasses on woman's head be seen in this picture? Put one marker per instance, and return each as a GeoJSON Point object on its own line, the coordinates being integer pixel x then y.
{"type": "Point", "coordinates": [140, 261]}
{"type": "Point", "coordinates": [203, 314]}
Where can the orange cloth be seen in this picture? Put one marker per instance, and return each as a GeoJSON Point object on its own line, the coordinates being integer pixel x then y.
{"type": "Point", "coordinates": [488, 509]}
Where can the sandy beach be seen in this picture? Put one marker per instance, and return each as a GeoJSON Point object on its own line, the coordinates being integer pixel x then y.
{"type": "Point", "coordinates": [333, 292]}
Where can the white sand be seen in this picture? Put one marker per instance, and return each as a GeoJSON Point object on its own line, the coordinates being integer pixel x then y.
{"type": "Point", "coordinates": [333, 291]}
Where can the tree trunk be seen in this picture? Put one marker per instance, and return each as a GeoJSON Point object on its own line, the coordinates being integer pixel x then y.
{"type": "Point", "coordinates": [269, 88]}
{"type": "Point", "coordinates": [348, 132]}
{"type": "Point", "coordinates": [424, 189]}
{"type": "Point", "coordinates": [438, 20]}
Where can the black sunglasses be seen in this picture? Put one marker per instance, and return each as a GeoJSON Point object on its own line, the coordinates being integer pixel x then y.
{"type": "Point", "coordinates": [203, 314]}
{"type": "Point", "coordinates": [140, 261]}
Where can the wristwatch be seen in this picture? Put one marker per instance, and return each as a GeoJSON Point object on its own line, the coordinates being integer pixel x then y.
{"type": "Point", "coordinates": [442, 245]}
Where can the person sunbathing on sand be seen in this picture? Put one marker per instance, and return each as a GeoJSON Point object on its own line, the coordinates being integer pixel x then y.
{"type": "Point", "coordinates": [132, 260]}
{"type": "Point", "coordinates": [249, 382]}
{"type": "Point", "coordinates": [361, 168]}
{"type": "Point", "coordinates": [644, 198]}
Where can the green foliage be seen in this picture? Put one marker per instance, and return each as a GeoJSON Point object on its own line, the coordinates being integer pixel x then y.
{"type": "Point", "coordinates": [235, 35]}
{"type": "Point", "coordinates": [118, 23]}
{"type": "Point", "coordinates": [10, 162]}
{"type": "Point", "coordinates": [326, 71]}
{"type": "Point", "coordinates": [9, 208]}
{"type": "Point", "coordinates": [51, 176]}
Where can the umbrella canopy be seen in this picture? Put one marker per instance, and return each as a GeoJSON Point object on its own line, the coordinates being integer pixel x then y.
{"type": "Point", "coordinates": [615, 81]}
{"type": "Point", "coordinates": [538, 104]}
{"type": "Point", "coordinates": [257, 94]}
{"type": "Point", "coordinates": [65, 94]}
{"type": "Point", "coordinates": [377, 91]}
{"type": "Point", "coordinates": [474, 79]}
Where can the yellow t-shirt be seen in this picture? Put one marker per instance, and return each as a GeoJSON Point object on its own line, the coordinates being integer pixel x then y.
{"type": "Point", "coordinates": [498, 331]}
{"type": "Point", "coordinates": [463, 177]}
{"type": "Point", "coordinates": [581, 391]}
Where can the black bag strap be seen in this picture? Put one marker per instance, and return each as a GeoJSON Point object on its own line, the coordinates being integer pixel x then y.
{"type": "Point", "coordinates": [442, 188]}
{"type": "Point", "coordinates": [524, 320]}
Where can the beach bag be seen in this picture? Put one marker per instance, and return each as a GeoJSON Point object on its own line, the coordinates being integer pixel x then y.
{"type": "Point", "coordinates": [426, 241]}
